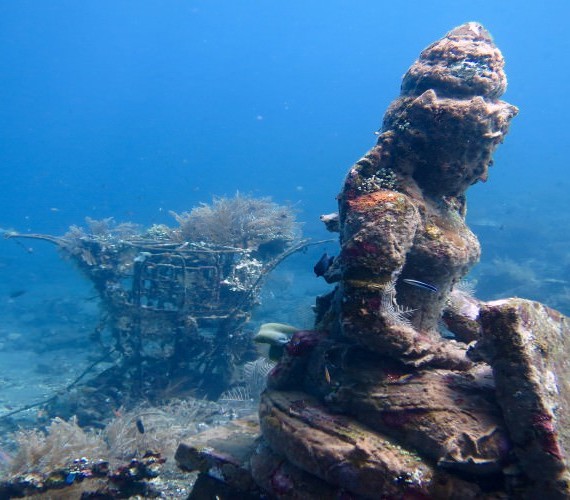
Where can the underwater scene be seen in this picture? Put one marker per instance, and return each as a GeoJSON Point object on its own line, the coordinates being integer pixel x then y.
{"type": "Point", "coordinates": [290, 250]}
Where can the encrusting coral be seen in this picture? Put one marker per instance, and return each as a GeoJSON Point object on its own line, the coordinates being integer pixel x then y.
{"type": "Point", "coordinates": [436, 140]}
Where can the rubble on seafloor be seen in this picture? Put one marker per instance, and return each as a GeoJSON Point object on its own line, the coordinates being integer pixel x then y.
{"type": "Point", "coordinates": [375, 402]}
{"type": "Point", "coordinates": [90, 480]}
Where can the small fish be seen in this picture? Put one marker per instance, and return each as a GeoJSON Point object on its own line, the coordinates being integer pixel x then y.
{"type": "Point", "coordinates": [327, 375]}
{"type": "Point", "coordinates": [555, 281]}
{"type": "Point", "coordinates": [16, 293]}
{"type": "Point", "coordinates": [421, 284]}
{"type": "Point", "coordinates": [140, 426]}
{"type": "Point", "coordinates": [27, 249]}
{"type": "Point", "coordinates": [322, 266]}
{"type": "Point", "coordinates": [183, 246]}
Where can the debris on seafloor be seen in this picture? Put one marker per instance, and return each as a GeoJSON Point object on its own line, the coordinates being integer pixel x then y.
{"type": "Point", "coordinates": [69, 461]}
{"type": "Point", "coordinates": [89, 479]}
{"type": "Point", "coordinates": [176, 301]}
{"type": "Point", "coordinates": [375, 402]}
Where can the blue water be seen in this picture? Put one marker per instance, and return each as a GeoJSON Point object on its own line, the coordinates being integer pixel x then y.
{"type": "Point", "coordinates": [130, 109]}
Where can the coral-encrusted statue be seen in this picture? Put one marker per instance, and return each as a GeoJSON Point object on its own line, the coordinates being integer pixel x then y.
{"type": "Point", "coordinates": [402, 206]}
{"type": "Point", "coordinates": [379, 404]}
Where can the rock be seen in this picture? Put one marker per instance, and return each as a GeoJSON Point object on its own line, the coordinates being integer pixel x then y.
{"type": "Point", "coordinates": [283, 480]}
{"type": "Point", "coordinates": [223, 453]}
{"type": "Point", "coordinates": [450, 417]}
{"type": "Point", "coordinates": [461, 315]}
{"type": "Point", "coordinates": [290, 369]}
{"type": "Point", "coordinates": [528, 346]}
{"type": "Point", "coordinates": [349, 455]}
{"type": "Point", "coordinates": [207, 487]}
{"type": "Point", "coordinates": [463, 62]}
{"type": "Point", "coordinates": [89, 479]}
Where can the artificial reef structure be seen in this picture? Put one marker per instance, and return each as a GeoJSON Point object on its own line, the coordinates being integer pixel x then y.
{"type": "Point", "coordinates": [175, 301]}
{"type": "Point", "coordinates": [375, 402]}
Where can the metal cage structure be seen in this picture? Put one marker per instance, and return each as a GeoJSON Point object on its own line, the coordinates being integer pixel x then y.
{"type": "Point", "coordinates": [174, 310]}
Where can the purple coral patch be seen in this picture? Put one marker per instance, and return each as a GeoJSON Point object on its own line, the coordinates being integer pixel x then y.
{"type": "Point", "coordinates": [302, 342]}
{"type": "Point", "coordinates": [547, 435]}
{"type": "Point", "coordinates": [281, 483]}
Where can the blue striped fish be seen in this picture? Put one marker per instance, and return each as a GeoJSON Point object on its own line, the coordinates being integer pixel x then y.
{"type": "Point", "coordinates": [421, 284]}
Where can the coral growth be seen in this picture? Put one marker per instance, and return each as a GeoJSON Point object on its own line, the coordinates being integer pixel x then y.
{"type": "Point", "coordinates": [240, 221]}
{"type": "Point", "coordinates": [121, 439]}
{"type": "Point", "coordinates": [115, 459]}
{"type": "Point", "coordinates": [63, 442]}
{"type": "Point", "coordinates": [104, 228]}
